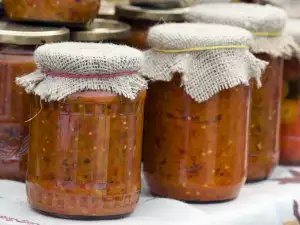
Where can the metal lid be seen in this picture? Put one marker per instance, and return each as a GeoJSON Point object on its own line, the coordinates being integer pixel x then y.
{"type": "Point", "coordinates": [135, 12]}
{"type": "Point", "coordinates": [12, 33]}
{"type": "Point", "coordinates": [102, 29]}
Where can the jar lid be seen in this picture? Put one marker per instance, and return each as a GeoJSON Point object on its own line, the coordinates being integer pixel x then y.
{"type": "Point", "coordinates": [136, 13]}
{"type": "Point", "coordinates": [261, 20]}
{"type": "Point", "coordinates": [101, 30]}
{"type": "Point", "coordinates": [19, 34]}
{"type": "Point", "coordinates": [69, 67]}
{"type": "Point", "coordinates": [293, 29]}
{"type": "Point", "coordinates": [166, 4]}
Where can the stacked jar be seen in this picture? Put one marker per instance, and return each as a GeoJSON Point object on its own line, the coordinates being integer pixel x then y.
{"type": "Point", "coordinates": [290, 113]}
{"type": "Point", "coordinates": [141, 19]}
{"type": "Point", "coordinates": [85, 130]}
{"type": "Point", "coordinates": [67, 12]}
{"type": "Point", "coordinates": [17, 44]}
{"type": "Point", "coordinates": [102, 30]}
{"type": "Point", "coordinates": [266, 23]}
{"type": "Point", "coordinates": [200, 94]}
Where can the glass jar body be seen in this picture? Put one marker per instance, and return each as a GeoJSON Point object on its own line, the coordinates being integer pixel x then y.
{"type": "Point", "coordinates": [52, 11]}
{"type": "Point", "coordinates": [85, 155]}
{"type": "Point", "coordinates": [290, 114]}
{"type": "Point", "coordinates": [265, 121]}
{"type": "Point", "coordinates": [195, 151]}
{"type": "Point", "coordinates": [14, 104]}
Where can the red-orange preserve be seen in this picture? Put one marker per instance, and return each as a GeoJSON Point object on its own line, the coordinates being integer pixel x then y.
{"type": "Point", "coordinates": [85, 155]}
{"type": "Point", "coordinates": [85, 143]}
{"type": "Point", "coordinates": [141, 19]}
{"type": "Point", "coordinates": [52, 11]}
{"type": "Point", "coordinates": [17, 44]}
{"type": "Point", "coordinates": [196, 120]}
{"type": "Point", "coordinates": [195, 151]}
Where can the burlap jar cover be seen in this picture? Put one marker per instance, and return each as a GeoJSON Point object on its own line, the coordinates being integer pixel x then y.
{"type": "Point", "coordinates": [265, 22]}
{"type": "Point", "coordinates": [67, 68]}
{"type": "Point", "coordinates": [210, 57]}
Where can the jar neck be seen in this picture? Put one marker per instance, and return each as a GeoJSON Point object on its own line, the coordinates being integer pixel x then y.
{"type": "Point", "coordinates": [10, 49]}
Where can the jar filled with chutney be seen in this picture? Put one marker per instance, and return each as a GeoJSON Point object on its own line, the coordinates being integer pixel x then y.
{"type": "Point", "coordinates": [71, 12]}
{"type": "Point", "coordinates": [85, 130]}
{"type": "Point", "coordinates": [290, 110]}
{"type": "Point", "coordinates": [266, 24]}
{"type": "Point", "coordinates": [17, 44]}
{"type": "Point", "coordinates": [197, 110]}
{"type": "Point", "coordinates": [102, 30]}
{"type": "Point", "coordinates": [141, 19]}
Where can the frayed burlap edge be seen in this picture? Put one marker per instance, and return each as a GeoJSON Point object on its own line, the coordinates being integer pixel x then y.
{"type": "Point", "coordinates": [283, 46]}
{"type": "Point", "coordinates": [162, 67]}
{"type": "Point", "coordinates": [57, 88]}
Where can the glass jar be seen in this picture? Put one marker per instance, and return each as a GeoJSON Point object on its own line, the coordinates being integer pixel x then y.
{"type": "Point", "coordinates": [290, 114]}
{"type": "Point", "coordinates": [207, 159]}
{"type": "Point", "coordinates": [141, 19]}
{"type": "Point", "coordinates": [52, 11]}
{"type": "Point", "coordinates": [85, 155]}
{"type": "Point", "coordinates": [16, 58]}
{"type": "Point", "coordinates": [103, 30]}
{"type": "Point", "coordinates": [265, 121]}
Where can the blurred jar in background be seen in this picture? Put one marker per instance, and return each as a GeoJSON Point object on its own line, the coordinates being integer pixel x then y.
{"type": "Point", "coordinates": [17, 44]}
{"type": "Point", "coordinates": [271, 44]}
{"type": "Point", "coordinates": [103, 30]}
{"type": "Point", "coordinates": [290, 113]}
{"type": "Point", "coordinates": [141, 19]}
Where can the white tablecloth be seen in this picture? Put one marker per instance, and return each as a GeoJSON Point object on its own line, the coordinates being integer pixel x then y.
{"type": "Point", "coordinates": [265, 203]}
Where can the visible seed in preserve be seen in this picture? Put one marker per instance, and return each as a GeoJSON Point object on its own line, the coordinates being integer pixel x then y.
{"type": "Point", "coordinates": [259, 146]}
{"type": "Point", "coordinates": [90, 133]}
{"type": "Point", "coordinates": [209, 152]}
{"type": "Point", "coordinates": [87, 161]}
{"type": "Point", "coordinates": [203, 127]}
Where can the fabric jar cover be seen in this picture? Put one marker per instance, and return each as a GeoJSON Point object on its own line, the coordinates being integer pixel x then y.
{"type": "Point", "coordinates": [266, 23]}
{"type": "Point", "coordinates": [69, 67]}
{"type": "Point", "coordinates": [210, 57]}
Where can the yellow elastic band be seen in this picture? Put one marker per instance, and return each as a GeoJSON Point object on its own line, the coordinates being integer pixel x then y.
{"type": "Point", "coordinates": [266, 34]}
{"type": "Point", "coordinates": [199, 48]}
